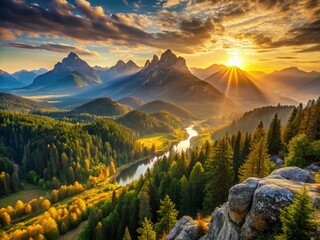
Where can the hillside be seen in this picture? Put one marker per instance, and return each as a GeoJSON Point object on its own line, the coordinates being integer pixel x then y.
{"type": "Point", "coordinates": [158, 105]}
{"type": "Point", "coordinates": [15, 103]}
{"type": "Point", "coordinates": [250, 120]}
{"type": "Point", "coordinates": [167, 118]}
{"type": "Point", "coordinates": [143, 123]}
{"type": "Point", "coordinates": [102, 107]}
{"type": "Point", "coordinates": [133, 102]}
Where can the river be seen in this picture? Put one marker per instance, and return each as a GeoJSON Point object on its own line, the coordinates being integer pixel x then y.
{"type": "Point", "coordinates": [135, 171]}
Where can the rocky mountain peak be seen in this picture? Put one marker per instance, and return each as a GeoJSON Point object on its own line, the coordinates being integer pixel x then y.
{"type": "Point", "coordinates": [168, 57]}
{"type": "Point", "coordinates": [72, 55]}
{"type": "Point", "coordinates": [119, 64]}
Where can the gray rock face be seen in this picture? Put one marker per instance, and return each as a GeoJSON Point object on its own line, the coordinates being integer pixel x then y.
{"type": "Point", "coordinates": [293, 174]}
{"type": "Point", "coordinates": [185, 229]}
{"type": "Point", "coordinates": [253, 206]}
{"type": "Point", "coordinates": [240, 199]}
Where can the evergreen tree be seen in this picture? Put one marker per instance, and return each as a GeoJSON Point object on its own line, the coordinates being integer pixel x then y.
{"type": "Point", "coordinates": [197, 182]}
{"type": "Point", "coordinates": [289, 132]}
{"type": "Point", "coordinates": [126, 235]}
{"type": "Point", "coordinates": [219, 175]}
{"type": "Point", "coordinates": [258, 162]}
{"type": "Point", "coordinates": [185, 203]}
{"type": "Point", "coordinates": [297, 151]}
{"type": "Point", "coordinates": [167, 216]}
{"type": "Point", "coordinates": [274, 136]}
{"type": "Point", "coordinates": [237, 155]}
{"type": "Point", "coordinates": [144, 203]}
{"type": "Point", "coordinates": [146, 231]}
{"type": "Point", "coordinates": [296, 219]}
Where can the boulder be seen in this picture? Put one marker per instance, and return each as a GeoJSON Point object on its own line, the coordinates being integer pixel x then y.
{"type": "Point", "coordinates": [221, 227]}
{"type": "Point", "coordinates": [240, 199]}
{"type": "Point", "coordinates": [293, 174]}
{"type": "Point", "coordinates": [185, 229]}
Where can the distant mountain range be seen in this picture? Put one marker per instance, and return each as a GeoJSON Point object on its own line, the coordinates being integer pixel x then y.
{"type": "Point", "coordinates": [294, 82]}
{"type": "Point", "coordinates": [244, 89]}
{"type": "Point", "coordinates": [168, 79]}
{"type": "Point", "coordinates": [8, 82]}
{"type": "Point", "coordinates": [203, 73]}
{"type": "Point", "coordinates": [70, 75]}
{"type": "Point", "coordinates": [26, 77]}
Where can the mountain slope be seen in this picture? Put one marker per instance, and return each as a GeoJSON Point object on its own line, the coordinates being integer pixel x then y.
{"type": "Point", "coordinates": [72, 74]}
{"type": "Point", "coordinates": [203, 73]}
{"type": "Point", "coordinates": [169, 79]}
{"type": "Point", "coordinates": [133, 102]}
{"type": "Point", "coordinates": [15, 103]}
{"type": "Point", "coordinates": [244, 89]}
{"type": "Point", "coordinates": [120, 70]}
{"type": "Point", "coordinates": [158, 105]}
{"type": "Point", "coordinates": [7, 81]}
{"type": "Point", "coordinates": [103, 107]}
{"type": "Point", "coordinates": [290, 81]}
{"type": "Point", "coordinates": [26, 77]}
{"type": "Point", "coordinates": [143, 123]}
{"type": "Point", "coordinates": [167, 118]}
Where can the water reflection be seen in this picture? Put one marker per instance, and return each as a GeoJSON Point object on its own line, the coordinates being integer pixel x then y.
{"type": "Point", "coordinates": [135, 171]}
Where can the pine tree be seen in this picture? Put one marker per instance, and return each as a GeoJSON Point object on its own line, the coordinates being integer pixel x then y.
{"type": "Point", "coordinates": [297, 151]}
{"type": "Point", "coordinates": [167, 216]}
{"type": "Point", "coordinates": [185, 203]}
{"type": "Point", "coordinates": [144, 203]}
{"type": "Point", "coordinates": [258, 162]}
{"type": "Point", "coordinates": [126, 235]}
{"type": "Point", "coordinates": [146, 231]}
{"type": "Point", "coordinates": [219, 174]}
{"type": "Point", "coordinates": [237, 156]}
{"type": "Point", "coordinates": [296, 219]}
{"type": "Point", "coordinates": [289, 132]}
{"type": "Point", "coordinates": [274, 136]}
{"type": "Point", "coordinates": [197, 182]}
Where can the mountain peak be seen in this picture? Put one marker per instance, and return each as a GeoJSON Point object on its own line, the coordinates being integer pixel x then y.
{"type": "Point", "coordinates": [72, 55]}
{"type": "Point", "coordinates": [168, 56]}
{"type": "Point", "coordinates": [120, 63]}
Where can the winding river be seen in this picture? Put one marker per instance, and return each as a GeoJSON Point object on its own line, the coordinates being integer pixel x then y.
{"type": "Point", "coordinates": [135, 171]}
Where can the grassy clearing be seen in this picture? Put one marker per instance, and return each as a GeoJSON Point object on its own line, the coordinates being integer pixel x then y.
{"type": "Point", "coordinates": [27, 194]}
{"type": "Point", "coordinates": [163, 141]}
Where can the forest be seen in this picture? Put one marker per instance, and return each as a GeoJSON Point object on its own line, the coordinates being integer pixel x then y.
{"type": "Point", "coordinates": [181, 184]}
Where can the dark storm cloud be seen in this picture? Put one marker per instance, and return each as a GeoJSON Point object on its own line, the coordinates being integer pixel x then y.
{"type": "Point", "coordinates": [96, 25]}
{"type": "Point", "coordinates": [53, 47]}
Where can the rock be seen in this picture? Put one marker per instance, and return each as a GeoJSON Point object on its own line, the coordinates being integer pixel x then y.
{"type": "Point", "coordinates": [293, 174]}
{"type": "Point", "coordinates": [313, 168]}
{"type": "Point", "coordinates": [220, 226]}
{"type": "Point", "coordinates": [253, 206]}
{"type": "Point", "coordinates": [240, 199]}
{"type": "Point", "coordinates": [265, 210]}
{"type": "Point", "coordinates": [185, 229]}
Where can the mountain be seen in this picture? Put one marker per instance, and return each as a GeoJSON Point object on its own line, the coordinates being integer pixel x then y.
{"type": "Point", "coordinates": [169, 79]}
{"type": "Point", "coordinates": [158, 105]}
{"type": "Point", "coordinates": [72, 74]}
{"type": "Point", "coordinates": [249, 121]}
{"type": "Point", "coordinates": [167, 118]}
{"type": "Point", "coordinates": [242, 88]}
{"type": "Point", "coordinates": [103, 107]}
{"type": "Point", "coordinates": [290, 81]}
{"type": "Point", "coordinates": [143, 123]}
{"type": "Point", "coordinates": [257, 74]}
{"type": "Point", "coordinates": [120, 70]}
{"type": "Point", "coordinates": [26, 77]}
{"type": "Point", "coordinates": [203, 73]}
{"type": "Point", "coordinates": [133, 102]}
{"type": "Point", "coordinates": [312, 87]}
{"type": "Point", "coordinates": [7, 81]}
{"type": "Point", "coordinates": [15, 103]}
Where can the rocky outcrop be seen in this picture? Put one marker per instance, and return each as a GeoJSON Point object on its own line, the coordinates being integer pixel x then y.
{"type": "Point", "coordinates": [185, 229]}
{"type": "Point", "coordinates": [254, 205]}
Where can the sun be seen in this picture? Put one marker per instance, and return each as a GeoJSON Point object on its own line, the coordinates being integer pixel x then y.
{"type": "Point", "coordinates": [234, 61]}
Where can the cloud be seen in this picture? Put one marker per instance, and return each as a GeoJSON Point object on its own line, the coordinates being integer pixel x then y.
{"type": "Point", "coordinates": [53, 47]}
{"type": "Point", "coordinates": [315, 48]}
{"type": "Point", "coordinates": [171, 3]}
{"type": "Point", "coordinates": [6, 34]}
{"type": "Point", "coordinates": [132, 19]}
{"type": "Point", "coordinates": [287, 58]}
{"type": "Point", "coordinates": [96, 26]}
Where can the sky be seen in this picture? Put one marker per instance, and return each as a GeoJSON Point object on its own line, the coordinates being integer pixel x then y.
{"type": "Point", "coordinates": [264, 35]}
